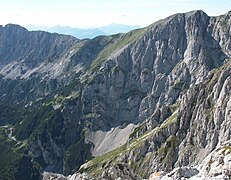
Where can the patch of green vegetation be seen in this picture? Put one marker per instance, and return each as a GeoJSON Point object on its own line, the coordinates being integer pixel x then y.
{"type": "Point", "coordinates": [172, 119]}
{"type": "Point", "coordinates": [74, 86]}
{"type": "Point", "coordinates": [31, 122]}
{"type": "Point", "coordinates": [43, 124]}
{"type": "Point", "coordinates": [136, 131]}
{"type": "Point", "coordinates": [180, 85]}
{"type": "Point", "coordinates": [75, 155]}
{"type": "Point", "coordinates": [216, 73]}
{"type": "Point", "coordinates": [15, 164]}
{"type": "Point", "coordinates": [44, 121]}
{"type": "Point", "coordinates": [96, 165]}
{"type": "Point", "coordinates": [47, 123]}
{"type": "Point", "coordinates": [116, 44]}
{"type": "Point", "coordinates": [161, 151]}
{"type": "Point", "coordinates": [167, 151]}
{"type": "Point", "coordinates": [69, 93]}
{"type": "Point", "coordinates": [60, 100]}
{"type": "Point", "coordinates": [91, 116]}
{"type": "Point", "coordinates": [140, 165]}
{"type": "Point", "coordinates": [4, 132]}
{"type": "Point", "coordinates": [10, 115]}
{"type": "Point", "coordinates": [50, 126]}
{"type": "Point", "coordinates": [174, 107]}
{"type": "Point", "coordinates": [9, 161]}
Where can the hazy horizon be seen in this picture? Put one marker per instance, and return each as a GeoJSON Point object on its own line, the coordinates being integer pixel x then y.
{"type": "Point", "coordinates": [94, 14]}
{"type": "Point", "coordinates": [31, 25]}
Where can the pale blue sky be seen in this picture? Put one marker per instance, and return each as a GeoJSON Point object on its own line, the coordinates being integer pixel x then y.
{"type": "Point", "coordinates": [95, 13]}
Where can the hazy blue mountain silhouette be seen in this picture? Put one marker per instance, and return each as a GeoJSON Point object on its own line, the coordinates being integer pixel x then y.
{"type": "Point", "coordinates": [82, 33]}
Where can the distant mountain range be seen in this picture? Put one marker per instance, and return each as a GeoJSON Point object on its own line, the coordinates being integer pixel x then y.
{"type": "Point", "coordinates": [82, 33]}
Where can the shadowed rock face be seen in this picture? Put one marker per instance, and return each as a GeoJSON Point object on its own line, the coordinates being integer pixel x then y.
{"type": "Point", "coordinates": [164, 88]}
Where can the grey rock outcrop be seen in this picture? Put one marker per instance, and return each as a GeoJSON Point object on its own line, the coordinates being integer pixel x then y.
{"type": "Point", "coordinates": [215, 166]}
{"type": "Point", "coordinates": [119, 171]}
{"type": "Point", "coordinates": [206, 115]}
{"type": "Point", "coordinates": [48, 175]}
{"type": "Point", "coordinates": [76, 176]}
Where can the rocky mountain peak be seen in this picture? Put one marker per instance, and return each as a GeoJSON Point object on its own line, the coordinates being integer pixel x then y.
{"type": "Point", "coordinates": [14, 27]}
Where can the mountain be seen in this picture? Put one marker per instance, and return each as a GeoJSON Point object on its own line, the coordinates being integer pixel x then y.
{"type": "Point", "coordinates": [76, 32]}
{"type": "Point", "coordinates": [29, 58]}
{"type": "Point", "coordinates": [151, 103]}
{"type": "Point", "coordinates": [86, 33]}
{"type": "Point", "coordinates": [117, 28]}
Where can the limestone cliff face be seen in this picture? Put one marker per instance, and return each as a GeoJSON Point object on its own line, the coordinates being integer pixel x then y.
{"type": "Point", "coordinates": [154, 70]}
{"type": "Point", "coordinates": [138, 80]}
{"type": "Point", "coordinates": [165, 80]}
{"type": "Point", "coordinates": [159, 96]}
